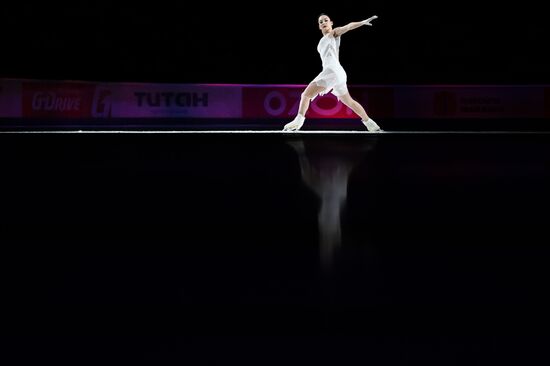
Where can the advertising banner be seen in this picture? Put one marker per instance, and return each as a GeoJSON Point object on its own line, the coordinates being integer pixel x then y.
{"type": "Point", "coordinates": [88, 100]}
{"type": "Point", "coordinates": [275, 101]}
{"type": "Point", "coordinates": [167, 101]}
{"type": "Point", "coordinates": [469, 102]}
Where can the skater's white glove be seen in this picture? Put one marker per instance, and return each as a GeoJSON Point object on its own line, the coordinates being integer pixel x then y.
{"type": "Point", "coordinates": [367, 21]}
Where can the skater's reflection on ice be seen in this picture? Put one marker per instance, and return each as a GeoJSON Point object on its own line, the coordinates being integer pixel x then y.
{"type": "Point", "coordinates": [326, 165]}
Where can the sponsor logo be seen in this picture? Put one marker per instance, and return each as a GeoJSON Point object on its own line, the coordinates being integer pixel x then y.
{"type": "Point", "coordinates": [52, 101]}
{"type": "Point", "coordinates": [283, 102]}
{"type": "Point", "coordinates": [102, 105]}
{"type": "Point", "coordinates": [484, 104]}
{"type": "Point", "coordinates": [278, 104]}
{"type": "Point", "coordinates": [171, 99]}
{"type": "Point", "coordinates": [448, 104]}
{"type": "Point", "coordinates": [57, 100]}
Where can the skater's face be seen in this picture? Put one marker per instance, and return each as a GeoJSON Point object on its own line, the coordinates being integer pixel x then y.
{"type": "Point", "coordinates": [325, 24]}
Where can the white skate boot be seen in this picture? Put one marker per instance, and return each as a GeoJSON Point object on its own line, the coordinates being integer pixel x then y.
{"type": "Point", "coordinates": [296, 123]}
{"type": "Point", "coordinates": [371, 125]}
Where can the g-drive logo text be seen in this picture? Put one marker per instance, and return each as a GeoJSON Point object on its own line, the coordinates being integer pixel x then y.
{"type": "Point", "coordinates": [171, 99]}
{"type": "Point", "coordinates": [56, 102]}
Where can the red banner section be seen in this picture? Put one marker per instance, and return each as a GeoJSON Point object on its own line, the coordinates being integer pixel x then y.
{"type": "Point", "coordinates": [283, 102]}
{"type": "Point", "coordinates": [57, 99]}
{"type": "Point", "coordinates": [69, 99]}
{"type": "Point", "coordinates": [273, 101]}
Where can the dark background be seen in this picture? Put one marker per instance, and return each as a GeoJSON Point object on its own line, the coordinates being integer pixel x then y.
{"type": "Point", "coordinates": [204, 249]}
{"type": "Point", "coordinates": [275, 42]}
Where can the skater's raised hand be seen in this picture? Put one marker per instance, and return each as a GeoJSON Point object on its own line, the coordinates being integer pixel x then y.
{"type": "Point", "coordinates": [368, 21]}
{"type": "Point", "coordinates": [337, 32]}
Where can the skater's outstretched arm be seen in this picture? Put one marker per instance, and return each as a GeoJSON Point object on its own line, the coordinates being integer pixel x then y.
{"type": "Point", "coordinates": [338, 31]}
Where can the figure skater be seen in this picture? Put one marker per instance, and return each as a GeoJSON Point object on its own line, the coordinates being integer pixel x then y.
{"type": "Point", "coordinates": [333, 77]}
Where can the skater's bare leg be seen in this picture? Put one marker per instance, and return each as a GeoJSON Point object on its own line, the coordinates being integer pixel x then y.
{"type": "Point", "coordinates": [308, 94]}
{"type": "Point", "coordinates": [354, 106]}
{"type": "Point", "coordinates": [360, 111]}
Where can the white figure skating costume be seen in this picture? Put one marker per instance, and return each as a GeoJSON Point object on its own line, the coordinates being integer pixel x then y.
{"type": "Point", "coordinates": [333, 77]}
